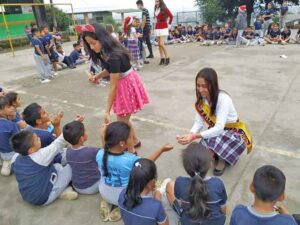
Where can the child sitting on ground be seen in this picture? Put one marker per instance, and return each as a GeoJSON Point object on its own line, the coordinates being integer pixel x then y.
{"type": "Point", "coordinates": [228, 31]}
{"type": "Point", "coordinates": [40, 181]}
{"type": "Point", "coordinates": [218, 36]}
{"type": "Point", "coordinates": [115, 165]}
{"type": "Point", "coordinates": [7, 130]}
{"type": "Point", "coordinates": [75, 56]}
{"type": "Point", "coordinates": [198, 199]}
{"type": "Point", "coordinates": [15, 101]}
{"type": "Point", "coordinates": [268, 187]}
{"type": "Point", "coordinates": [207, 36]}
{"type": "Point", "coordinates": [285, 35]}
{"type": "Point", "coordinates": [139, 203]}
{"type": "Point", "coordinates": [273, 37]}
{"type": "Point", "coordinates": [63, 59]}
{"type": "Point", "coordinates": [248, 37]}
{"type": "Point", "coordinates": [85, 172]}
{"type": "Point", "coordinates": [39, 119]}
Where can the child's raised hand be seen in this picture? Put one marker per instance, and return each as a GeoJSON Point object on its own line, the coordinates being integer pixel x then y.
{"type": "Point", "coordinates": [167, 147]}
{"type": "Point", "coordinates": [55, 120]}
{"type": "Point", "coordinates": [79, 118]}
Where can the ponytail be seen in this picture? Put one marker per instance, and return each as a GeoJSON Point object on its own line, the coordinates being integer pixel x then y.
{"type": "Point", "coordinates": [198, 197]}
{"type": "Point", "coordinates": [105, 156]}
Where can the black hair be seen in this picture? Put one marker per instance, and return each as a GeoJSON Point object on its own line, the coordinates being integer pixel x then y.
{"type": "Point", "coordinates": [11, 97]}
{"type": "Point", "coordinates": [196, 162]}
{"type": "Point", "coordinates": [3, 102]}
{"type": "Point", "coordinates": [22, 142]}
{"type": "Point", "coordinates": [139, 2]}
{"type": "Point", "coordinates": [32, 113]}
{"type": "Point", "coordinates": [73, 131]}
{"type": "Point", "coordinates": [76, 44]}
{"type": "Point", "coordinates": [34, 31]}
{"type": "Point", "coordinates": [111, 48]}
{"type": "Point", "coordinates": [43, 27]}
{"type": "Point", "coordinates": [211, 78]}
{"type": "Point", "coordinates": [114, 134]}
{"type": "Point", "coordinates": [269, 183]}
{"type": "Point", "coordinates": [143, 171]}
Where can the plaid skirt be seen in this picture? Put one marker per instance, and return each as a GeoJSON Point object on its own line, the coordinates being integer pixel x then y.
{"type": "Point", "coordinates": [134, 49]}
{"type": "Point", "coordinates": [229, 146]}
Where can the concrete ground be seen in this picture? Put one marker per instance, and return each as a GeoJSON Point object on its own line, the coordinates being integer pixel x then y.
{"type": "Point", "coordinates": [263, 86]}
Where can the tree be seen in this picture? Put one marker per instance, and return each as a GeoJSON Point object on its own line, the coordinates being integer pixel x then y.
{"type": "Point", "coordinates": [63, 20]}
{"type": "Point", "coordinates": [212, 10]}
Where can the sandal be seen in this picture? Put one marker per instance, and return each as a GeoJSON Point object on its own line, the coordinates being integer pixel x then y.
{"type": "Point", "coordinates": [105, 209]}
{"type": "Point", "coordinates": [138, 144]}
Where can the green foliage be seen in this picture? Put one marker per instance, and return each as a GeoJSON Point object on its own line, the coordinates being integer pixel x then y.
{"type": "Point", "coordinates": [110, 20]}
{"type": "Point", "coordinates": [63, 19]}
{"type": "Point", "coordinates": [212, 10]}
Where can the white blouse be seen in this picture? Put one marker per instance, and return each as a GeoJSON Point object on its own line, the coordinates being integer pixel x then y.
{"type": "Point", "coordinates": [225, 113]}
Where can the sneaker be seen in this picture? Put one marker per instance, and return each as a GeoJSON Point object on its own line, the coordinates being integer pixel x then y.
{"type": "Point", "coordinates": [115, 215]}
{"type": "Point", "coordinates": [140, 66]}
{"type": "Point", "coordinates": [55, 74]}
{"type": "Point", "coordinates": [69, 194]}
{"type": "Point", "coordinates": [6, 168]}
{"type": "Point", "coordinates": [105, 209]}
{"type": "Point", "coordinates": [163, 187]}
{"type": "Point", "coordinates": [44, 81]}
{"type": "Point", "coordinates": [248, 43]}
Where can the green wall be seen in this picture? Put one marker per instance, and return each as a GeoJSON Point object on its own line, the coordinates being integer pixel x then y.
{"type": "Point", "coordinates": [19, 21]}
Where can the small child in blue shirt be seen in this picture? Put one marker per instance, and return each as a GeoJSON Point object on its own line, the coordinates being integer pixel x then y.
{"type": "Point", "coordinates": [139, 203]}
{"type": "Point", "coordinates": [268, 187]}
{"type": "Point", "coordinates": [115, 165]}
{"type": "Point", "coordinates": [198, 199]}
{"type": "Point", "coordinates": [7, 129]}
{"type": "Point", "coordinates": [15, 101]}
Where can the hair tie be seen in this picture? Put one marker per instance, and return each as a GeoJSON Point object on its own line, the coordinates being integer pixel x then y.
{"type": "Point", "coordinates": [137, 164]}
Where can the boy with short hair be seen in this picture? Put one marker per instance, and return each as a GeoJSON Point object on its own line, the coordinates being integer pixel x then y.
{"type": "Point", "coordinates": [75, 56]}
{"type": "Point", "coordinates": [268, 187]}
{"type": "Point", "coordinates": [41, 57]}
{"type": "Point", "coordinates": [285, 35]}
{"type": "Point", "coordinates": [248, 37]}
{"type": "Point", "coordinates": [63, 59]}
{"type": "Point", "coordinates": [7, 129]}
{"type": "Point", "coordinates": [82, 159]}
{"type": "Point", "coordinates": [273, 36]}
{"type": "Point", "coordinates": [40, 181]}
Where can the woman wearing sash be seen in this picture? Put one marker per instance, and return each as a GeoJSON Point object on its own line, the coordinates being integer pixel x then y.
{"type": "Point", "coordinates": [225, 137]}
{"type": "Point", "coordinates": [127, 94]}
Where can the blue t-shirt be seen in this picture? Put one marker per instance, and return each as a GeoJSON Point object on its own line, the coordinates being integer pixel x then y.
{"type": "Point", "coordinates": [7, 130]}
{"type": "Point", "coordinates": [208, 35]}
{"type": "Point", "coordinates": [46, 137]}
{"type": "Point", "coordinates": [85, 170]}
{"type": "Point", "coordinates": [217, 198]}
{"type": "Point", "coordinates": [269, 12]}
{"type": "Point", "coordinates": [274, 34]}
{"type": "Point", "coordinates": [37, 42]}
{"type": "Point", "coordinates": [285, 34]}
{"type": "Point", "coordinates": [74, 56]}
{"type": "Point", "coordinates": [47, 39]}
{"type": "Point", "coordinates": [243, 215]}
{"type": "Point", "coordinates": [149, 212]}
{"type": "Point", "coordinates": [258, 25]}
{"type": "Point", "coordinates": [283, 10]}
{"type": "Point", "coordinates": [119, 167]}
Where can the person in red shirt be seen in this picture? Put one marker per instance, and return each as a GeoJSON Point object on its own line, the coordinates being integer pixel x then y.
{"type": "Point", "coordinates": [164, 20]}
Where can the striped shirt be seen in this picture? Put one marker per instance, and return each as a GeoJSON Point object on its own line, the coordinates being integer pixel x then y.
{"type": "Point", "coordinates": [146, 14]}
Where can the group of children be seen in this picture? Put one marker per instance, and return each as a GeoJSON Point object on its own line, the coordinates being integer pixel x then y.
{"type": "Point", "coordinates": [51, 161]}
{"type": "Point", "coordinates": [48, 51]}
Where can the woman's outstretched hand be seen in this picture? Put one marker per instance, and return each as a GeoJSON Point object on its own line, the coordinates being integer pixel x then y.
{"type": "Point", "coordinates": [185, 139]}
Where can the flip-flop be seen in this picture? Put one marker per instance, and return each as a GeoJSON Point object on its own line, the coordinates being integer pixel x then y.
{"type": "Point", "coordinates": [138, 144]}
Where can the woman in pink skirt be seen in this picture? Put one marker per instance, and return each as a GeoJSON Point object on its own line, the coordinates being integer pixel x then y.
{"type": "Point", "coordinates": [127, 94]}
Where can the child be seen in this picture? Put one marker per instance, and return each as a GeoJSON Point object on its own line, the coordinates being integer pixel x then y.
{"type": "Point", "coordinates": [40, 181]}
{"type": "Point", "coordinates": [268, 187]}
{"type": "Point", "coordinates": [228, 31]}
{"type": "Point", "coordinates": [137, 203]}
{"type": "Point", "coordinates": [274, 35]}
{"type": "Point", "coordinates": [15, 101]}
{"type": "Point", "coordinates": [139, 32]}
{"type": "Point", "coordinates": [48, 42]}
{"type": "Point", "coordinates": [268, 17]}
{"type": "Point", "coordinates": [7, 130]}
{"type": "Point", "coordinates": [198, 199]}
{"type": "Point", "coordinates": [231, 40]}
{"type": "Point", "coordinates": [132, 43]}
{"type": "Point", "coordinates": [39, 119]}
{"type": "Point", "coordinates": [207, 36]}
{"type": "Point", "coordinates": [75, 56]}
{"type": "Point", "coordinates": [41, 57]}
{"type": "Point", "coordinates": [110, 29]}
{"type": "Point", "coordinates": [63, 59]}
{"type": "Point", "coordinates": [248, 37]}
{"type": "Point", "coordinates": [218, 36]}
{"type": "Point", "coordinates": [283, 12]}
{"type": "Point", "coordinates": [258, 26]}
{"type": "Point", "coordinates": [285, 35]}
{"type": "Point", "coordinates": [115, 165]}
{"type": "Point", "coordinates": [57, 36]}
{"type": "Point", "coordinates": [85, 172]}
{"type": "Point", "coordinates": [190, 34]}
{"type": "Point", "coordinates": [241, 22]}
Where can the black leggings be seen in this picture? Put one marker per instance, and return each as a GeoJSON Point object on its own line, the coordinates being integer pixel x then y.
{"type": "Point", "coordinates": [146, 37]}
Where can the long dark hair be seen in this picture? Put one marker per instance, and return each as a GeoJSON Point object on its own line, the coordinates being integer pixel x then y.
{"type": "Point", "coordinates": [211, 78]}
{"type": "Point", "coordinates": [114, 134]}
{"type": "Point", "coordinates": [110, 46]}
{"type": "Point", "coordinates": [162, 6]}
{"type": "Point", "coordinates": [143, 171]}
{"type": "Point", "coordinates": [196, 162]}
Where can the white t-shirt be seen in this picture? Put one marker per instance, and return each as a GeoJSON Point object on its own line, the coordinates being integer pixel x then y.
{"type": "Point", "coordinates": [225, 113]}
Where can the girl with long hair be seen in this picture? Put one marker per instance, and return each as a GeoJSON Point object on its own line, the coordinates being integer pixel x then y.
{"type": "Point", "coordinates": [198, 199]}
{"type": "Point", "coordinates": [115, 165]}
{"type": "Point", "coordinates": [127, 94]}
{"type": "Point", "coordinates": [226, 136]}
{"type": "Point", "coordinates": [162, 15]}
{"type": "Point", "coordinates": [139, 202]}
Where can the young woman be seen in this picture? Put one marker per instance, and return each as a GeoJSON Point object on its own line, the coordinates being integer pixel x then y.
{"type": "Point", "coordinates": [226, 136]}
{"type": "Point", "coordinates": [127, 93]}
{"type": "Point", "coordinates": [139, 202]}
{"type": "Point", "coordinates": [162, 14]}
{"type": "Point", "coordinates": [198, 199]}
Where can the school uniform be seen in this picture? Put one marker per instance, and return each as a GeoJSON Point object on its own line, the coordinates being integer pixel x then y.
{"type": "Point", "coordinates": [258, 28]}
{"type": "Point", "coordinates": [7, 130]}
{"type": "Point", "coordinates": [217, 198]}
{"type": "Point", "coordinates": [285, 35]}
{"type": "Point", "coordinates": [283, 11]}
{"type": "Point", "coordinates": [248, 38]}
{"type": "Point", "coordinates": [75, 58]}
{"type": "Point", "coordinates": [40, 181]}
{"type": "Point", "coordinates": [268, 20]}
{"type": "Point", "coordinates": [149, 212]}
{"type": "Point", "coordinates": [46, 40]}
{"type": "Point", "coordinates": [274, 34]}
{"type": "Point", "coordinates": [243, 215]}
